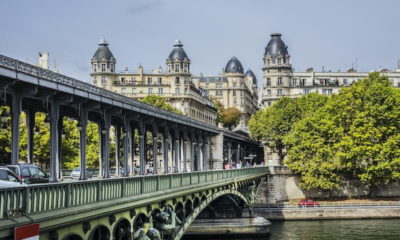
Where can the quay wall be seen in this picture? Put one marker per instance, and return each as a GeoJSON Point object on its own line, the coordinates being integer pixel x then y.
{"type": "Point", "coordinates": [283, 186]}
{"type": "Point", "coordinates": [328, 213]}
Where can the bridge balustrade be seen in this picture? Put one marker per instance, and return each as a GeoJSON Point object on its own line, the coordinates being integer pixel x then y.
{"type": "Point", "coordinates": [39, 198]}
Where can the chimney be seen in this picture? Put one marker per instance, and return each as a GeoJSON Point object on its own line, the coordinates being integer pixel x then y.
{"type": "Point", "coordinates": [44, 60]}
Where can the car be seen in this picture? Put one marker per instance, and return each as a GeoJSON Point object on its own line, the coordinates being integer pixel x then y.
{"type": "Point", "coordinates": [29, 173]}
{"type": "Point", "coordinates": [8, 178]}
{"type": "Point", "coordinates": [76, 172]}
{"type": "Point", "coordinates": [308, 203]}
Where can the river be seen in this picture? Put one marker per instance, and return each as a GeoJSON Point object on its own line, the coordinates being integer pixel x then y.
{"type": "Point", "coordinates": [382, 229]}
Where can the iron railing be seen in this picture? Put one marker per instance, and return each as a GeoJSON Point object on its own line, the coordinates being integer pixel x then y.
{"type": "Point", "coordinates": [37, 198]}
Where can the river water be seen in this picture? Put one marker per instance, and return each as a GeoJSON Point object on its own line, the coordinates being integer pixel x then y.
{"type": "Point", "coordinates": [385, 229]}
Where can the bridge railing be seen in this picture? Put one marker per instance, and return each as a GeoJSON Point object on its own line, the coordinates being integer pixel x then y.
{"type": "Point", "coordinates": [37, 198]}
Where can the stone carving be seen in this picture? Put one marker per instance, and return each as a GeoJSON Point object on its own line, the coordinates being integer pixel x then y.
{"type": "Point", "coordinates": [167, 220]}
{"type": "Point", "coordinates": [152, 234]}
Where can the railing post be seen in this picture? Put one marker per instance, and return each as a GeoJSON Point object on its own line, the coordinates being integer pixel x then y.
{"type": "Point", "coordinates": [99, 191]}
{"type": "Point", "coordinates": [123, 187]}
{"type": "Point", "coordinates": [68, 196]}
{"type": "Point", "coordinates": [158, 183]}
{"type": "Point", "coordinates": [198, 176]}
{"type": "Point", "coordinates": [181, 179]}
{"type": "Point", "coordinates": [170, 181]}
{"type": "Point", "coordinates": [142, 184]}
{"type": "Point", "coordinates": [27, 202]}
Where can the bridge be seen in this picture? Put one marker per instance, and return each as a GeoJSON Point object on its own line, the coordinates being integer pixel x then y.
{"type": "Point", "coordinates": [188, 182]}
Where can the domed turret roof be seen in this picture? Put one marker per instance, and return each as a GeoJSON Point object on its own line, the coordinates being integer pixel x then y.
{"type": "Point", "coordinates": [250, 73]}
{"type": "Point", "coordinates": [276, 46]}
{"type": "Point", "coordinates": [178, 52]}
{"type": "Point", "coordinates": [234, 66]}
{"type": "Point", "coordinates": [103, 52]}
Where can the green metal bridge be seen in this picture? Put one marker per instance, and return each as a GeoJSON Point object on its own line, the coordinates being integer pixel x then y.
{"type": "Point", "coordinates": [140, 207]}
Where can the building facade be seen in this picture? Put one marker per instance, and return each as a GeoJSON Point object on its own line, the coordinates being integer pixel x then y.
{"type": "Point", "coordinates": [280, 79]}
{"type": "Point", "coordinates": [233, 88]}
{"type": "Point", "coordinates": [175, 84]}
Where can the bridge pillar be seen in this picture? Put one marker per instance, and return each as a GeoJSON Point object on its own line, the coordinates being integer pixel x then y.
{"type": "Point", "coordinates": [238, 154]}
{"type": "Point", "coordinates": [117, 130]}
{"type": "Point", "coordinates": [155, 147]}
{"type": "Point", "coordinates": [199, 154]}
{"type": "Point", "coordinates": [165, 147]}
{"type": "Point", "coordinates": [176, 155]}
{"type": "Point", "coordinates": [54, 141]}
{"type": "Point", "coordinates": [15, 114]}
{"type": "Point", "coordinates": [142, 132]}
{"type": "Point", "coordinates": [192, 153]}
{"type": "Point", "coordinates": [30, 124]}
{"type": "Point", "coordinates": [217, 151]}
{"type": "Point", "coordinates": [82, 142]}
{"type": "Point", "coordinates": [131, 133]}
{"type": "Point", "coordinates": [185, 142]}
{"type": "Point", "coordinates": [106, 144]}
{"type": "Point", "coordinates": [206, 153]}
{"type": "Point", "coordinates": [127, 147]}
{"type": "Point", "coordinates": [229, 146]}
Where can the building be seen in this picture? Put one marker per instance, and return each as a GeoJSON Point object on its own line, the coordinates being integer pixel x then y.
{"type": "Point", "coordinates": [280, 79]}
{"type": "Point", "coordinates": [175, 84]}
{"type": "Point", "coordinates": [233, 88]}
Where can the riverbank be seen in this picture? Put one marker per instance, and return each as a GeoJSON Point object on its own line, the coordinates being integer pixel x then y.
{"type": "Point", "coordinates": [329, 212]}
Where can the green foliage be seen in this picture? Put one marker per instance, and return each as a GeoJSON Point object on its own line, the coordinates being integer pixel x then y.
{"type": "Point", "coordinates": [274, 123]}
{"type": "Point", "coordinates": [220, 108]}
{"type": "Point", "coordinates": [160, 102]}
{"type": "Point", "coordinates": [231, 117]}
{"type": "Point", "coordinates": [356, 133]}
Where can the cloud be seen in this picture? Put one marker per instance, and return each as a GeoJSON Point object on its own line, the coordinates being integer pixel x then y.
{"type": "Point", "coordinates": [143, 7]}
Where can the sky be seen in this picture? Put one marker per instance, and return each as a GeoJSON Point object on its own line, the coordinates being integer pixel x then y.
{"type": "Point", "coordinates": [334, 34]}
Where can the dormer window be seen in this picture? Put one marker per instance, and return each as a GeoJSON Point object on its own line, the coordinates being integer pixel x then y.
{"type": "Point", "coordinates": [95, 67]}
{"type": "Point", "coordinates": [279, 61]}
{"type": "Point", "coordinates": [176, 67]}
{"type": "Point", "coordinates": [268, 61]}
{"type": "Point", "coordinates": [103, 67]}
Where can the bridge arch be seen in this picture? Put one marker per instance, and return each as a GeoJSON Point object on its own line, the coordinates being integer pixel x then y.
{"type": "Point", "coordinates": [122, 229]}
{"type": "Point", "coordinates": [202, 205]}
{"type": "Point", "coordinates": [100, 232]}
{"type": "Point", "coordinates": [188, 208]}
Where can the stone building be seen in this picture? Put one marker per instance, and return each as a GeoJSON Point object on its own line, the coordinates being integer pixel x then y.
{"type": "Point", "coordinates": [281, 80]}
{"type": "Point", "coordinates": [233, 88]}
{"type": "Point", "coordinates": [175, 84]}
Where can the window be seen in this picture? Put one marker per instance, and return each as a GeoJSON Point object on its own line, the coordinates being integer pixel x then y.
{"type": "Point", "coordinates": [123, 90]}
{"type": "Point", "coordinates": [268, 81]}
{"type": "Point", "coordinates": [234, 93]}
{"type": "Point", "coordinates": [186, 80]}
{"type": "Point", "coordinates": [234, 84]}
{"type": "Point", "coordinates": [269, 92]}
{"type": "Point", "coordinates": [177, 91]}
{"type": "Point", "coordinates": [294, 82]}
{"type": "Point", "coordinates": [160, 91]}
{"type": "Point", "coordinates": [185, 67]}
{"type": "Point", "coordinates": [95, 67]}
{"type": "Point", "coordinates": [150, 90]}
{"type": "Point", "coordinates": [149, 81]}
{"type": "Point", "coordinates": [268, 61]}
{"type": "Point", "coordinates": [218, 93]}
{"type": "Point", "coordinates": [133, 90]}
{"type": "Point", "coordinates": [303, 82]}
{"type": "Point", "coordinates": [241, 93]}
{"type": "Point", "coordinates": [284, 60]}
{"type": "Point", "coordinates": [279, 61]}
{"type": "Point", "coordinates": [112, 67]}
{"type": "Point", "coordinates": [177, 80]}
{"type": "Point", "coordinates": [206, 85]}
{"type": "Point", "coordinates": [218, 85]}
{"type": "Point", "coordinates": [176, 67]}
{"type": "Point", "coordinates": [103, 80]}
{"type": "Point", "coordinates": [345, 81]}
{"type": "Point", "coordinates": [280, 92]}
{"type": "Point", "coordinates": [159, 81]}
{"type": "Point", "coordinates": [103, 67]}
{"type": "Point", "coordinates": [279, 81]}
{"type": "Point", "coordinates": [306, 91]}
{"type": "Point", "coordinates": [95, 80]}
{"type": "Point", "coordinates": [269, 103]}
{"type": "Point", "coordinates": [327, 91]}
{"type": "Point", "coordinates": [234, 101]}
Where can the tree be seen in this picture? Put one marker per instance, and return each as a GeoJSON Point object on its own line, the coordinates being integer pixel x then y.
{"type": "Point", "coordinates": [273, 124]}
{"type": "Point", "coordinates": [231, 117]}
{"type": "Point", "coordinates": [357, 133]}
{"type": "Point", "coordinates": [220, 108]}
{"type": "Point", "coordinates": [160, 102]}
